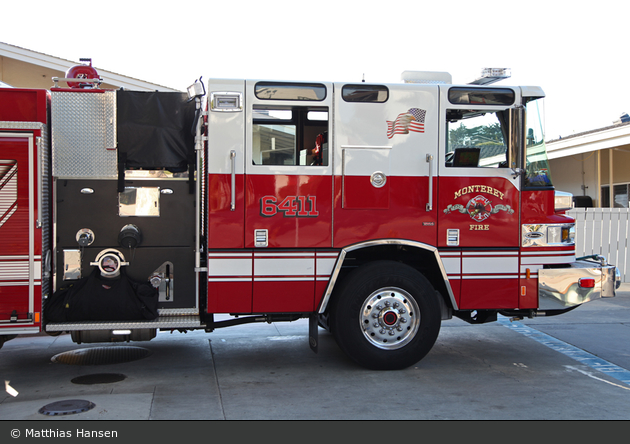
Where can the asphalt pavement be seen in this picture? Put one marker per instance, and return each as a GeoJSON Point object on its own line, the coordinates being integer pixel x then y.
{"type": "Point", "coordinates": [570, 367]}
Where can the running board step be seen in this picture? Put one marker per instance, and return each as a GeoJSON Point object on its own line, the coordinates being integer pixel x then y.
{"type": "Point", "coordinates": [160, 322]}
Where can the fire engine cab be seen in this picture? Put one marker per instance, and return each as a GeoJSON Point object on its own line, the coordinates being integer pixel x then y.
{"type": "Point", "coordinates": [374, 210]}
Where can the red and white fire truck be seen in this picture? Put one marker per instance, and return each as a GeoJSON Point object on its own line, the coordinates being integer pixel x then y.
{"type": "Point", "coordinates": [374, 210]}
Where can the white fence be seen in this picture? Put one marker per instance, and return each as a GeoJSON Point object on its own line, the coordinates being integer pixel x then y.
{"type": "Point", "coordinates": [603, 231]}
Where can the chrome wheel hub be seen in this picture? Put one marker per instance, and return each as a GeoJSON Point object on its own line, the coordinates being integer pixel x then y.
{"type": "Point", "coordinates": [390, 318]}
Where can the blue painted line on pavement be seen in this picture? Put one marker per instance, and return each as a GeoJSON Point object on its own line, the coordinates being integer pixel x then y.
{"type": "Point", "coordinates": [583, 357]}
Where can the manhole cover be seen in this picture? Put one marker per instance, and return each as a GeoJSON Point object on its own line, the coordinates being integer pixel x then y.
{"type": "Point", "coordinates": [67, 407]}
{"type": "Point", "coordinates": [101, 355]}
{"type": "Point", "coordinates": [98, 378]}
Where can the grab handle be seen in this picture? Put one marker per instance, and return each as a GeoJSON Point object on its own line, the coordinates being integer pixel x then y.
{"type": "Point", "coordinates": [233, 182]}
{"type": "Point", "coordinates": [430, 162]}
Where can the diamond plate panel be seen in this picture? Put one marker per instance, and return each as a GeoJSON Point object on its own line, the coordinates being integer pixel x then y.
{"type": "Point", "coordinates": [161, 322]}
{"type": "Point", "coordinates": [84, 134]}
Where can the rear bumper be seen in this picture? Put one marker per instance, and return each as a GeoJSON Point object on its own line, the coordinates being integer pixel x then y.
{"type": "Point", "coordinates": [559, 288]}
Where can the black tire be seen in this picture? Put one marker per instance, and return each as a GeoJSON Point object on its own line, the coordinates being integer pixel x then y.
{"type": "Point", "coordinates": [5, 338]}
{"type": "Point", "coordinates": [385, 315]}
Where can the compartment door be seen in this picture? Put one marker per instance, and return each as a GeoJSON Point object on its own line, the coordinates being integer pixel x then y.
{"type": "Point", "coordinates": [20, 255]}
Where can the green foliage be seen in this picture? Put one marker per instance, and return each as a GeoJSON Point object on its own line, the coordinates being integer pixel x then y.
{"type": "Point", "coordinates": [479, 136]}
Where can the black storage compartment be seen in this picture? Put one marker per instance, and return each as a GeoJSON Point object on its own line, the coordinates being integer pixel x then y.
{"type": "Point", "coordinates": [167, 238]}
{"type": "Point", "coordinates": [155, 130]}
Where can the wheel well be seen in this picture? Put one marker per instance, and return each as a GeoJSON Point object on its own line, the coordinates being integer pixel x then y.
{"type": "Point", "coordinates": [421, 259]}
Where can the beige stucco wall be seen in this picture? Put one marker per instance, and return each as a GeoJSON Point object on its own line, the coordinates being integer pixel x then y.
{"type": "Point", "coordinates": [26, 75]}
{"type": "Point", "coordinates": [571, 172]}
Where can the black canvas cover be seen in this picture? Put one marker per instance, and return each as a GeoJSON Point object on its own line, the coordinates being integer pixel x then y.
{"type": "Point", "coordinates": [97, 298]}
{"type": "Point", "coordinates": [155, 129]}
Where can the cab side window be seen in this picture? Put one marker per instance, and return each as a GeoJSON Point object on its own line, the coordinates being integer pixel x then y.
{"type": "Point", "coordinates": [290, 135]}
{"type": "Point", "coordinates": [478, 136]}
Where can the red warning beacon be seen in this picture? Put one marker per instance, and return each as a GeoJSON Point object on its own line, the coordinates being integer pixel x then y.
{"type": "Point", "coordinates": [83, 71]}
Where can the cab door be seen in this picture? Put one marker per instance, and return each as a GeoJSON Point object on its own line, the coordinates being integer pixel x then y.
{"type": "Point", "coordinates": [288, 190]}
{"type": "Point", "coordinates": [287, 166]}
{"type": "Point", "coordinates": [479, 196]}
{"type": "Point", "coordinates": [386, 140]}
{"type": "Point", "coordinates": [229, 266]}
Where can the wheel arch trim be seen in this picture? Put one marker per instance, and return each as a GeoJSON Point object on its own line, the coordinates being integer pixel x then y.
{"type": "Point", "coordinates": [381, 242]}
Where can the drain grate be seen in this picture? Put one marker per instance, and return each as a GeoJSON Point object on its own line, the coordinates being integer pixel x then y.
{"type": "Point", "coordinates": [67, 407]}
{"type": "Point", "coordinates": [101, 355]}
{"type": "Point", "coordinates": [98, 378]}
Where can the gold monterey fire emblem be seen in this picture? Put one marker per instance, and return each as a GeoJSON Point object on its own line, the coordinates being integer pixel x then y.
{"type": "Point", "coordinates": [479, 208]}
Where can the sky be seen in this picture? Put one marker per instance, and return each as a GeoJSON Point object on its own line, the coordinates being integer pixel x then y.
{"type": "Point", "coordinates": [575, 51]}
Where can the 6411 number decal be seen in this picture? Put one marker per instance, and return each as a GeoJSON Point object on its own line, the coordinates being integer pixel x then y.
{"type": "Point", "coordinates": [290, 206]}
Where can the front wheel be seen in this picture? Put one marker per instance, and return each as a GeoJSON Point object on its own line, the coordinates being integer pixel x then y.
{"type": "Point", "coordinates": [385, 315]}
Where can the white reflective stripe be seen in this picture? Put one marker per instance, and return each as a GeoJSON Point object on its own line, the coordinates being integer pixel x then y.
{"type": "Point", "coordinates": [544, 260]}
{"type": "Point", "coordinates": [286, 266]}
{"type": "Point", "coordinates": [325, 266]}
{"type": "Point", "coordinates": [229, 255]}
{"type": "Point", "coordinates": [492, 276]}
{"type": "Point", "coordinates": [452, 265]}
{"type": "Point", "coordinates": [274, 265]}
{"type": "Point", "coordinates": [548, 253]}
{"type": "Point", "coordinates": [231, 267]}
{"type": "Point", "coordinates": [17, 284]}
{"type": "Point", "coordinates": [230, 279]}
{"type": "Point", "coordinates": [490, 253]}
{"type": "Point", "coordinates": [284, 279]}
{"type": "Point", "coordinates": [328, 254]}
{"type": "Point", "coordinates": [283, 254]}
{"type": "Point", "coordinates": [481, 265]}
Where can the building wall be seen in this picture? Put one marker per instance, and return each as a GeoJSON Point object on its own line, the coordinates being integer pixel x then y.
{"type": "Point", "coordinates": [576, 174]}
{"type": "Point", "coordinates": [571, 173]}
{"type": "Point", "coordinates": [621, 165]}
{"type": "Point", "coordinates": [27, 75]}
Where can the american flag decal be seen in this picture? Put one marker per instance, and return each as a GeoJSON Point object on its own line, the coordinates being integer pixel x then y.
{"type": "Point", "coordinates": [412, 120]}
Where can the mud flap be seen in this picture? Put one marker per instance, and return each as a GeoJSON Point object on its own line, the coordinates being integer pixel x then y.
{"type": "Point", "coordinates": [313, 327]}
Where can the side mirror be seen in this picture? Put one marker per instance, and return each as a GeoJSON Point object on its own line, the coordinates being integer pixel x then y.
{"type": "Point", "coordinates": [516, 141]}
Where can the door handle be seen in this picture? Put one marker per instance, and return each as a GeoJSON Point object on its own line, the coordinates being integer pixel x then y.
{"type": "Point", "coordinates": [430, 162]}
